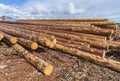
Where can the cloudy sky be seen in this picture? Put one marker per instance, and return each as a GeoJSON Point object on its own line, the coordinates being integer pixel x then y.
{"type": "Point", "coordinates": [24, 9]}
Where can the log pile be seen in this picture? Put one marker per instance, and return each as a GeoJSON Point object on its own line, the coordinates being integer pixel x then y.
{"type": "Point", "coordinates": [88, 39]}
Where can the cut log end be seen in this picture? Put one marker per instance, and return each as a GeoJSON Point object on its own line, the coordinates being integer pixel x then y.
{"type": "Point", "coordinates": [53, 43]}
{"type": "Point", "coordinates": [13, 40]}
{"type": "Point", "coordinates": [48, 42]}
{"type": "Point", "coordinates": [48, 70]}
{"type": "Point", "coordinates": [1, 36]}
{"type": "Point", "coordinates": [34, 46]}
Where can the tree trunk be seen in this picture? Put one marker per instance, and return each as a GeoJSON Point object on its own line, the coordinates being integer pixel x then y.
{"type": "Point", "coordinates": [40, 64]}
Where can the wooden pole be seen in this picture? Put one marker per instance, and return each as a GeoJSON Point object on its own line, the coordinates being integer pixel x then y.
{"type": "Point", "coordinates": [40, 64]}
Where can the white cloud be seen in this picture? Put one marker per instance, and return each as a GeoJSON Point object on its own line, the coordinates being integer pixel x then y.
{"type": "Point", "coordinates": [73, 10]}
{"type": "Point", "coordinates": [63, 9]}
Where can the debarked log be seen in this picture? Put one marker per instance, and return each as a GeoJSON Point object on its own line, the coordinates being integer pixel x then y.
{"type": "Point", "coordinates": [40, 64]}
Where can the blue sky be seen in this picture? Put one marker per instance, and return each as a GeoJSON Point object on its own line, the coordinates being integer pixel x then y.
{"type": "Point", "coordinates": [35, 9]}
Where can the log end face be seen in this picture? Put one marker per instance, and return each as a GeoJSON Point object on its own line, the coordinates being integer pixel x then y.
{"type": "Point", "coordinates": [1, 36]}
{"type": "Point", "coordinates": [48, 42]}
{"type": "Point", "coordinates": [53, 43]}
{"type": "Point", "coordinates": [34, 46]}
{"type": "Point", "coordinates": [48, 70]}
{"type": "Point", "coordinates": [13, 40]}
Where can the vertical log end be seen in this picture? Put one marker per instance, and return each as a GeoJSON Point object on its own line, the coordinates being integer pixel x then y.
{"type": "Point", "coordinates": [34, 46]}
{"type": "Point", "coordinates": [1, 36]}
{"type": "Point", "coordinates": [13, 40]}
{"type": "Point", "coordinates": [48, 70]}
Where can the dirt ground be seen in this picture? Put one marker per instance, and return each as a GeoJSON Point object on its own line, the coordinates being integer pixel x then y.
{"type": "Point", "coordinates": [66, 68]}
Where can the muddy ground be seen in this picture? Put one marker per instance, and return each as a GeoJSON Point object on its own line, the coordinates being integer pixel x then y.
{"type": "Point", "coordinates": [66, 68]}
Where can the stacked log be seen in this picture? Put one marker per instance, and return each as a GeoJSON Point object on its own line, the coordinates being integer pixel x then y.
{"type": "Point", "coordinates": [11, 39]}
{"type": "Point", "coordinates": [30, 35]}
{"type": "Point", "coordinates": [86, 38]}
{"type": "Point", "coordinates": [28, 43]}
{"type": "Point", "coordinates": [40, 64]}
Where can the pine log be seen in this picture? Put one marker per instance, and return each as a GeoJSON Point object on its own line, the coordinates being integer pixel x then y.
{"type": "Point", "coordinates": [34, 28]}
{"type": "Point", "coordinates": [71, 19]}
{"type": "Point", "coordinates": [114, 45]}
{"type": "Point", "coordinates": [28, 43]}
{"type": "Point", "coordinates": [100, 44]}
{"type": "Point", "coordinates": [30, 35]}
{"type": "Point", "coordinates": [115, 65]}
{"type": "Point", "coordinates": [73, 42]}
{"type": "Point", "coordinates": [89, 36]}
{"type": "Point", "coordinates": [97, 44]}
{"type": "Point", "coordinates": [11, 39]}
{"type": "Point", "coordinates": [94, 51]}
{"type": "Point", "coordinates": [82, 29]}
{"type": "Point", "coordinates": [40, 64]}
{"type": "Point", "coordinates": [107, 26]}
{"type": "Point", "coordinates": [1, 36]}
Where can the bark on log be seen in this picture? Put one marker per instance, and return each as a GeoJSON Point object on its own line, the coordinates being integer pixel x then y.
{"type": "Point", "coordinates": [114, 45]}
{"type": "Point", "coordinates": [71, 19]}
{"type": "Point", "coordinates": [107, 26]}
{"type": "Point", "coordinates": [115, 65]}
{"type": "Point", "coordinates": [72, 42]}
{"type": "Point", "coordinates": [83, 29]}
{"type": "Point", "coordinates": [94, 51]}
{"type": "Point", "coordinates": [34, 28]}
{"type": "Point", "coordinates": [40, 64]}
{"type": "Point", "coordinates": [95, 37]}
{"type": "Point", "coordinates": [11, 39]}
{"type": "Point", "coordinates": [28, 43]}
{"type": "Point", "coordinates": [97, 44]}
{"type": "Point", "coordinates": [30, 35]}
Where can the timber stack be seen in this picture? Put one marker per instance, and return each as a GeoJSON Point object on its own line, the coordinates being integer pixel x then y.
{"type": "Point", "coordinates": [88, 39]}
